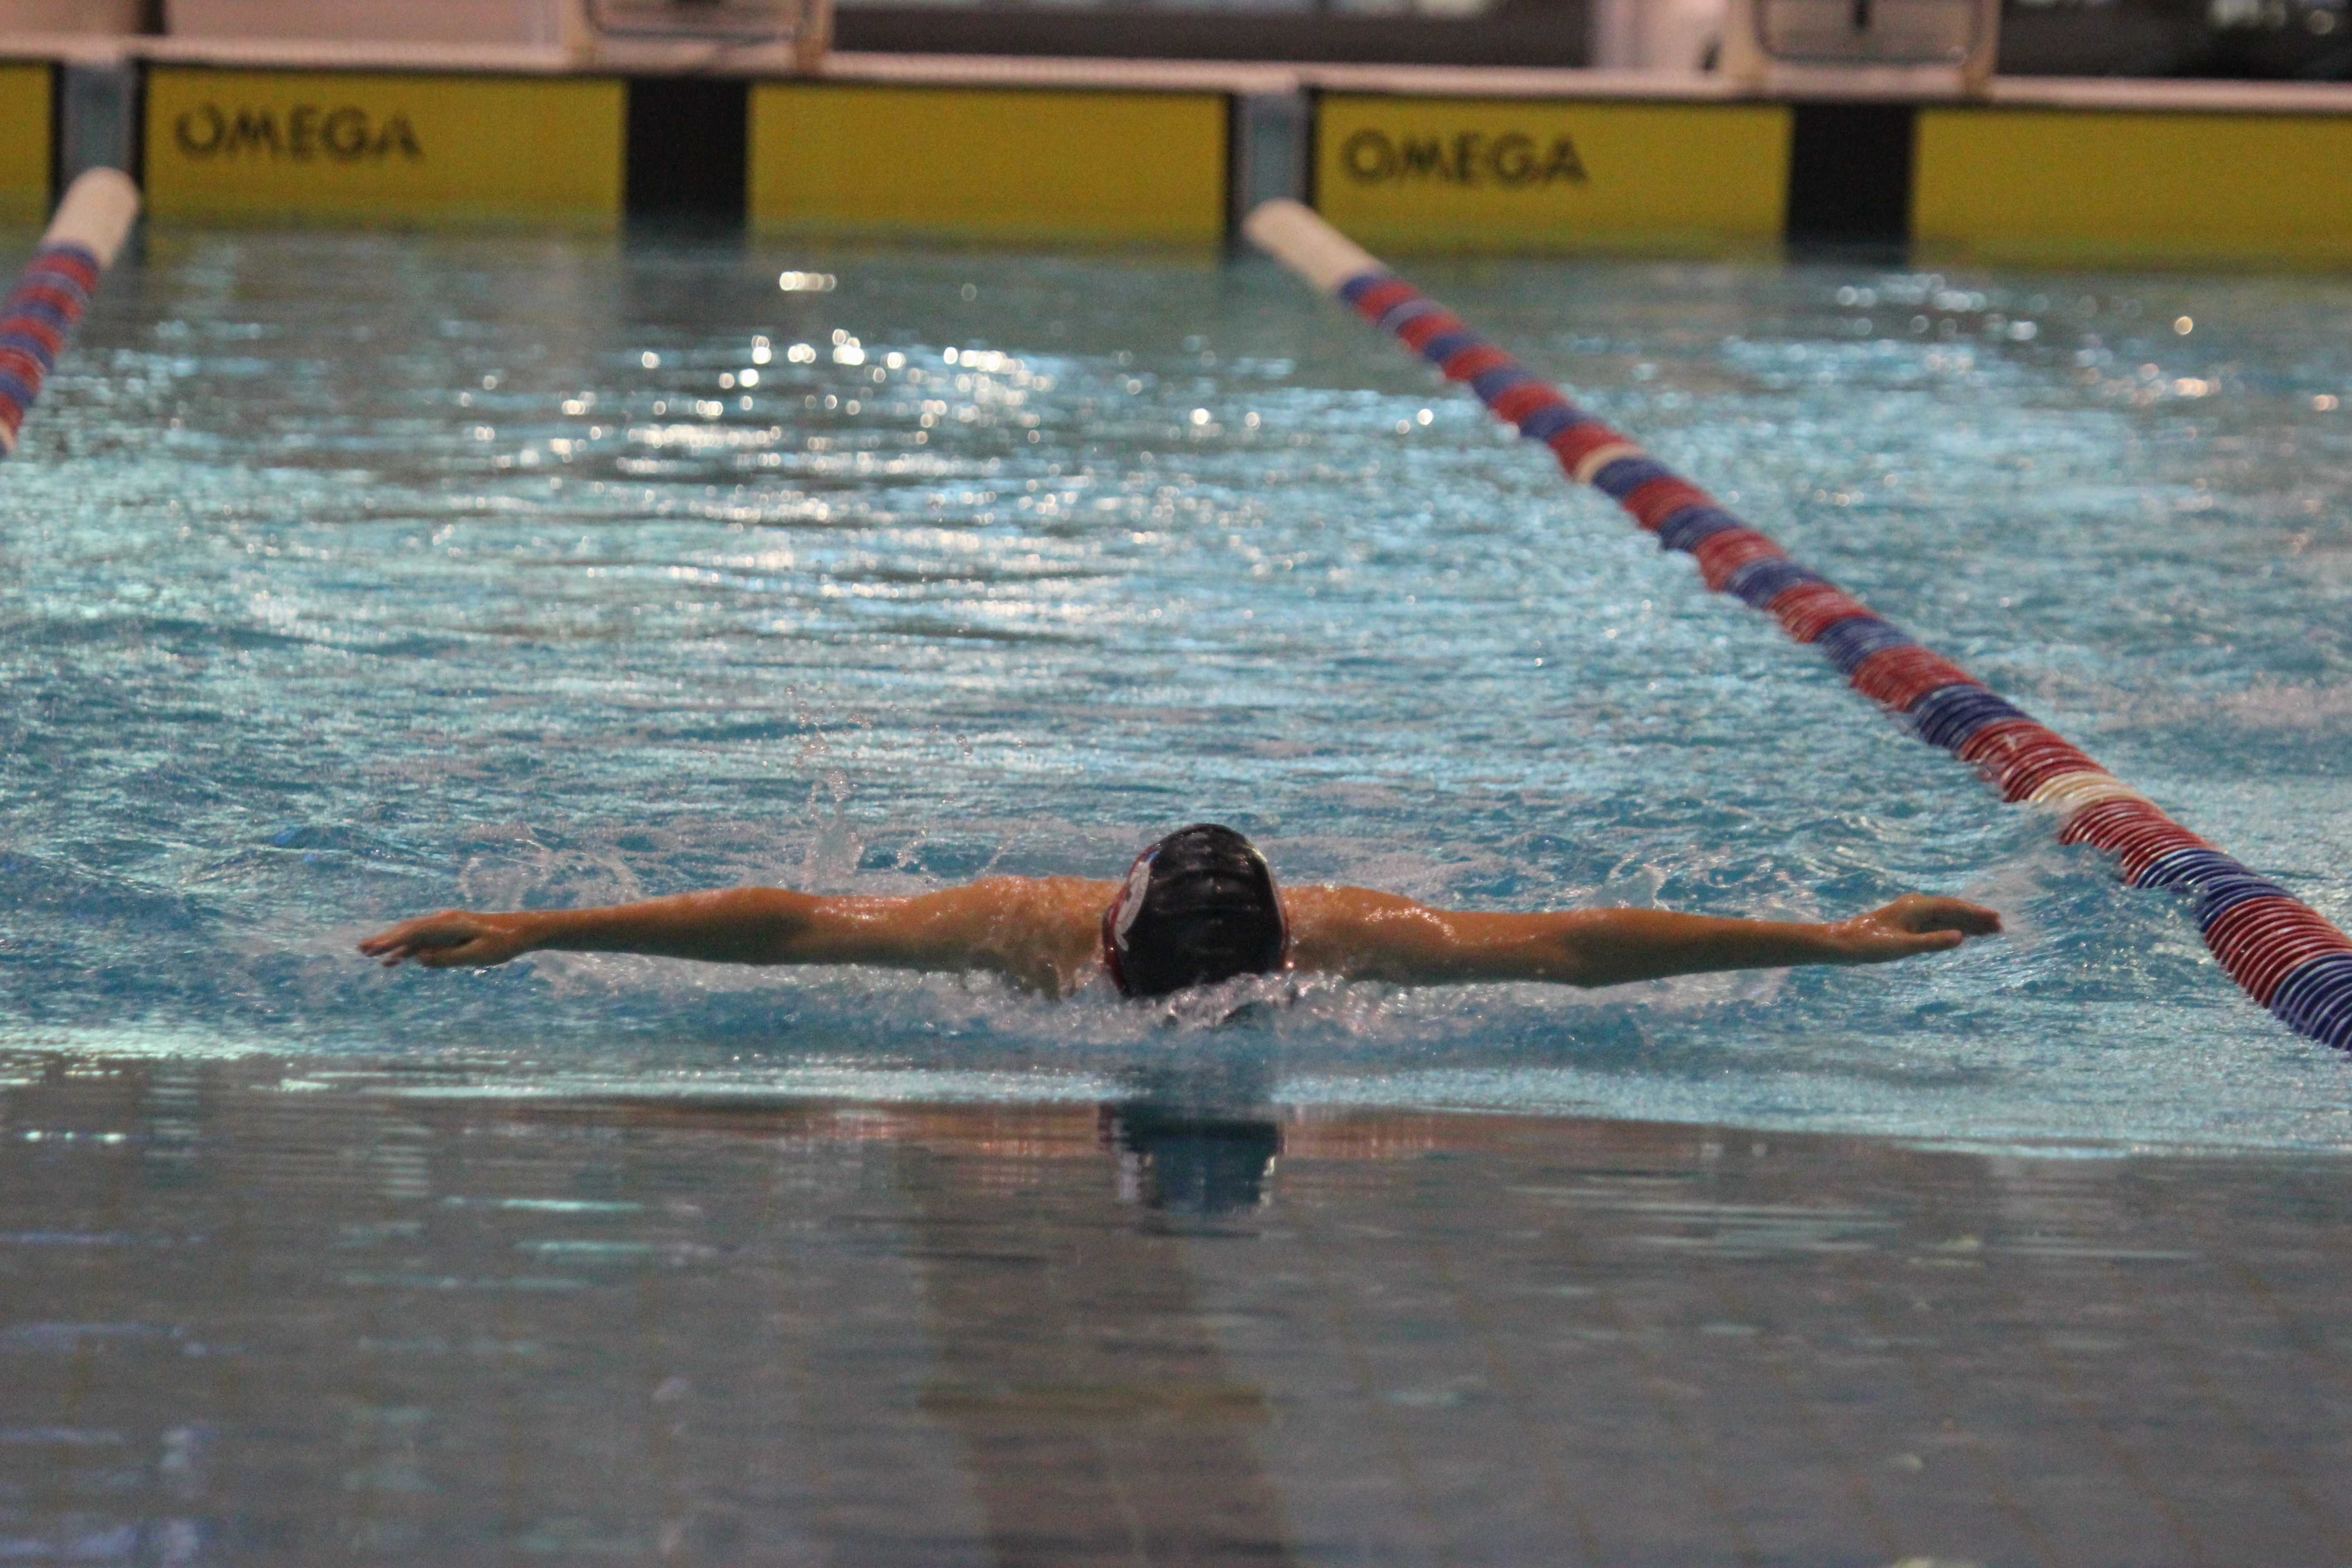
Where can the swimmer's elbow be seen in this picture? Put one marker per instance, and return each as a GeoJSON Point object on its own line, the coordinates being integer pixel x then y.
{"type": "Point", "coordinates": [1403, 943]}
{"type": "Point", "coordinates": [1567, 956]}
{"type": "Point", "coordinates": [1576, 970]}
{"type": "Point", "coordinates": [1540, 963]}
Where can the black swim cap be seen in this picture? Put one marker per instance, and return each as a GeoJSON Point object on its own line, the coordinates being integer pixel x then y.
{"type": "Point", "coordinates": [1200, 906]}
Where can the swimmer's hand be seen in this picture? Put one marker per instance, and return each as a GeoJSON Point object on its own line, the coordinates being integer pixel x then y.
{"type": "Point", "coordinates": [1911, 925]}
{"type": "Point", "coordinates": [454, 938]}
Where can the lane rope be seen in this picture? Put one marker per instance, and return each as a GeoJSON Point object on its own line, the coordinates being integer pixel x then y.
{"type": "Point", "coordinates": [54, 289]}
{"type": "Point", "coordinates": [2282, 951]}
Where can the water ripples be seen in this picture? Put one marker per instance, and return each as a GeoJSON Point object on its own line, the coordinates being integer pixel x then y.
{"type": "Point", "coordinates": [355, 575]}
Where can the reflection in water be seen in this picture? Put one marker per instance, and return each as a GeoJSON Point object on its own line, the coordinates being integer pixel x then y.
{"type": "Point", "coordinates": [1195, 1137]}
{"type": "Point", "coordinates": [1097, 1417]}
{"type": "Point", "coordinates": [1191, 1164]}
{"type": "Point", "coordinates": [263, 1312]}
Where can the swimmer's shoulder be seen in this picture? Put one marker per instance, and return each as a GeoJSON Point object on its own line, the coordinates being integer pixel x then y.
{"type": "Point", "coordinates": [1015, 908]}
{"type": "Point", "coordinates": [1044, 893]}
{"type": "Point", "coordinates": [1043, 932]}
{"type": "Point", "coordinates": [1320, 901]}
{"type": "Point", "coordinates": [1350, 930]}
{"type": "Point", "coordinates": [1002, 905]}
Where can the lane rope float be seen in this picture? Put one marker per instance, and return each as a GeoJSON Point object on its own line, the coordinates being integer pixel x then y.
{"type": "Point", "coordinates": [2282, 951]}
{"type": "Point", "coordinates": [54, 289]}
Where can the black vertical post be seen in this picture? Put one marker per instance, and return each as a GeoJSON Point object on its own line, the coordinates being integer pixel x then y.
{"type": "Point", "coordinates": [58, 132]}
{"type": "Point", "coordinates": [689, 153]}
{"type": "Point", "coordinates": [1850, 174]}
{"type": "Point", "coordinates": [98, 119]}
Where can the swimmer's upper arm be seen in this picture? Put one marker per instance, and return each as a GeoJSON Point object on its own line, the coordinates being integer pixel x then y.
{"type": "Point", "coordinates": [1039, 932]}
{"type": "Point", "coordinates": [1363, 934]}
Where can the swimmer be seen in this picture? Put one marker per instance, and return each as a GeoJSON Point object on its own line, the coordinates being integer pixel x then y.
{"type": "Point", "coordinates": [1199, 907]}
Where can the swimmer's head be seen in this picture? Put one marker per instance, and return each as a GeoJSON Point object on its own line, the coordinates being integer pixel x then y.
{"type": "Point", "coordinates": [1198, 907]}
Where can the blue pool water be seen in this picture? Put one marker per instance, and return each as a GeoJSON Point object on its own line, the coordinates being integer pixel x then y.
{"type": "Point", "coordinates": [349, 577]}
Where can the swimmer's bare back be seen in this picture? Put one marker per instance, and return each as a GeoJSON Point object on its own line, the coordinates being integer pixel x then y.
{"type": "Point", "coordinates": [1044, 934]}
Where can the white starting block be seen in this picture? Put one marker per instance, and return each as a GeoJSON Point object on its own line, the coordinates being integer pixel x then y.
{"type": "Point", "coordinates": [581, 28]}
{"type": "Point", "coordinates": [1863, 49]}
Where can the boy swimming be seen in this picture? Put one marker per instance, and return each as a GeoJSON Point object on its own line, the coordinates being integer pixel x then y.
{"type": "Point", "coordinates": [1198, 907]}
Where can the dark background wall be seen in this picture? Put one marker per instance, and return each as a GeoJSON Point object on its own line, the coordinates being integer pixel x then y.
{"type": "Point", "coordinates": [1533, 35]}
{"type": "Point", "coordinates": [2308, 40]}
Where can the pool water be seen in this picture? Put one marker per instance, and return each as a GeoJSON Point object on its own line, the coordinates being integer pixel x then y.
{"type": "Point", "coordinates": [259, 1314]}
{"type": "Point", "coordinates": [349, 577]}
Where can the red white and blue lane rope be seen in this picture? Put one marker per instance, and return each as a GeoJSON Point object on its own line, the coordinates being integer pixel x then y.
{"type": "Point", "coordinates": [56, 287]}
{"type": "Point", "coordinates": [2286, 954]}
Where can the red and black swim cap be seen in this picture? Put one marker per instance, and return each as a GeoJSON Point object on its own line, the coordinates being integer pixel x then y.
{"type": "Point", "coordinates": [1198, 907]}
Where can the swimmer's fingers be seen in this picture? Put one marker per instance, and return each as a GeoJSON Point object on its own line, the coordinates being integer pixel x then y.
{"type": "Point", "coordinates": [1861, 941]}
{"type": "Point", "coordinates": [1932, 941]}
{"type": "Point", "coordinates": [411, 939]}
{"type": "Point", "coordinates": [1924, 912]}
{"type": "Point", "coordinates": [1912, 925]}
{"type": "Point", "coordinates": [470, 953]}
{"type": "Point", "coordinates": [453, 939]}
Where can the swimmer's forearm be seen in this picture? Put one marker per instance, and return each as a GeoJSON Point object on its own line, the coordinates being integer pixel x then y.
{"type": "Point", "coordinates": [741, 925]}
{"type": "Point", "coordinates": [1616, 947]}
{"type": "Point", "coordinates": [776, 925]}
{"type": "Point", "coordinates": [1375, 936]}
{"type": "Point", "coordinates": [1038, 934]}
{"type": "Point", "coordinates": [735, 925]}
{"type": "Point", "coordinates": [1581, 947]}
{"type": "Point", "coordinates": [738, 925]}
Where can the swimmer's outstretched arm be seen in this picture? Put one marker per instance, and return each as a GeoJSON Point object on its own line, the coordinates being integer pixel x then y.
{"type": "Point", "coordinates": [1366, 935]}
{"type": "Point", "coordinates": [1038, 931]}
{"type": "Point", "coordinates": [1042, 933]}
